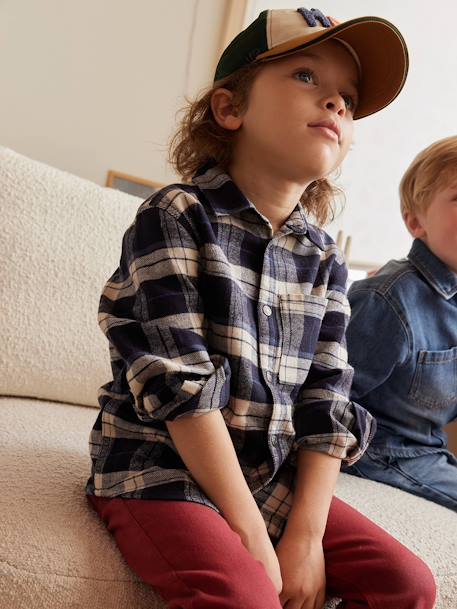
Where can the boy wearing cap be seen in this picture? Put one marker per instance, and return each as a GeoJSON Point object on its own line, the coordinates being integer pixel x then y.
{"type": "Point", "coordinates": [220, 437]}
{"type": "Point", "coordinates": [402, 338]}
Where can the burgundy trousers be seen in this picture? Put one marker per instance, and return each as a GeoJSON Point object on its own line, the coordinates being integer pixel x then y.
{"type": "Point", "coordinates": [192, 558]}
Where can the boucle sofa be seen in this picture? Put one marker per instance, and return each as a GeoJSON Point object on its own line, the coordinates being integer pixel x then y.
{"type": "Point", "coordinates": [59, 241]}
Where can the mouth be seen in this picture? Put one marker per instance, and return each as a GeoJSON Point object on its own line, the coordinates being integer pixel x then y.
{"type": "Point", "coordinates": [329, 129]}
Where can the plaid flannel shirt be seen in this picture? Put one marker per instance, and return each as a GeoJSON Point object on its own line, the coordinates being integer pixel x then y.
{"type": "Point", "coordinates": [209, 310]}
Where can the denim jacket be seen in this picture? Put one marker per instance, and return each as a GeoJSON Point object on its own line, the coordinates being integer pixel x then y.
{"type": "Point", "coordinates": [402, 343]}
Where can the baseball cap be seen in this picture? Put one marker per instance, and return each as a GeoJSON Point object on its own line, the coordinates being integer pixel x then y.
{"type": "Point", "coordinates": [377, 46]}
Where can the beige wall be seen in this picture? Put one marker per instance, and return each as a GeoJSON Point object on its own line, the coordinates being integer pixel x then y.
{"type": "Point", "coordinates": [92, 85]}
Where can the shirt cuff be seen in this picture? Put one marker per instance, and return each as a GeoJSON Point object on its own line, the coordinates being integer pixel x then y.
{"type": "Point", "coordinates": [169, 397]}
{"type": "Point", "coordinates": [351, 429]}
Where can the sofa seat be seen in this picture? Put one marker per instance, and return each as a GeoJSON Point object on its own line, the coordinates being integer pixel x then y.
{"type": "Point", "coordinates": [55, 553]}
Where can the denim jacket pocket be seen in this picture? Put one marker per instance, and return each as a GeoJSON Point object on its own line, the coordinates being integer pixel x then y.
{"type": "Point", "coordinates": [435, 379]}
{"type": "Point", "coordinates": [301, 319]}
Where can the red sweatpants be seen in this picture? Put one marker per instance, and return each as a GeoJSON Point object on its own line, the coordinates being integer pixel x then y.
{"type": "Point", "coordinates": [189, 554]}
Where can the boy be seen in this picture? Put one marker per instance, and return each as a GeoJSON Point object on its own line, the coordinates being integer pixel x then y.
{"type": "Point", "coordinates": [402, 338]}
{"type": "Point", "coordinates": [220, 438]}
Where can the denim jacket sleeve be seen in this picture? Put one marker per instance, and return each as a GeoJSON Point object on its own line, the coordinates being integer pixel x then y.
{"type": "Point", "coordinates": [326, 420]}
{"type": "Point", "coordinates": [377, 340]}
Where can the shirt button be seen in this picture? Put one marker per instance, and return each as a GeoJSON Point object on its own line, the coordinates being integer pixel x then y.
{"type": "Point", "coordinates": [269, 377]}
{"type": "Point", "coordinates": [267, 310]}
{"type": "Point", "coordinates": [274, 441]}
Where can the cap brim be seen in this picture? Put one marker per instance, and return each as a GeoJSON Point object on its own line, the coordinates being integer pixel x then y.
{"type": "Point", "coordinates": [382, 53]}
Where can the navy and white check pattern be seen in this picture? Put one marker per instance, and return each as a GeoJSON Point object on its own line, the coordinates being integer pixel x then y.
{"type": "Point", "coordinates": [209, 310]}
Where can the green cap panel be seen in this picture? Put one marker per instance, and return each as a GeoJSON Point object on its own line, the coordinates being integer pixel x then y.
{"type": "Point", "coordinates": [244, 48]}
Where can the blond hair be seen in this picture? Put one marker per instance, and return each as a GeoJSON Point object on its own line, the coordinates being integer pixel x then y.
{"type": "Point", "coordinates": [432, 170]}
{"type": "Point", "coordinates": [199, 139]}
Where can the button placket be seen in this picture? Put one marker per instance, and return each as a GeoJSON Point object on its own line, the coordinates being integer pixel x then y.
{"type": "Point", "coordinates": [265, 312]}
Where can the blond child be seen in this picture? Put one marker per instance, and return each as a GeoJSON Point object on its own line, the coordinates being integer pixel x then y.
{"type": "Point", "coordinates": [402, 338]}
{"type": "Point", "coordinates": [220, 437]}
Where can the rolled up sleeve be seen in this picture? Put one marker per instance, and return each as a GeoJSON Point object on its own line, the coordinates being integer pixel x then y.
{"type": "Point", "coordinates": [152, 313]}
{"type": "Point", "coordinates": [325, 418]}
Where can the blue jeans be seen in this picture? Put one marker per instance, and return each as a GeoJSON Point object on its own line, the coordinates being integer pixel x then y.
{"type": "Point", "coordinates": [433, 476]}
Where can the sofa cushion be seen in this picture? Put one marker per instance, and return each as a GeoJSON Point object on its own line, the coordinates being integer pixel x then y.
{"type": "Point", "coordinates": [60, 241]}
{"type": "Point", "coordinates": [55, 552]}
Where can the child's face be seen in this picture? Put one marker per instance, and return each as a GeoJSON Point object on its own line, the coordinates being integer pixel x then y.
{"type": "Point", "coordinates": [299, 117]}
{"type": "Point", "coordinates": [437, 225]}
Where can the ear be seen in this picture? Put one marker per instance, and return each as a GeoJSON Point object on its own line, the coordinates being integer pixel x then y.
{"type": "Point", "coordinates": [414, 225]}
{"type": "Point", "coordinates": [225, 113]}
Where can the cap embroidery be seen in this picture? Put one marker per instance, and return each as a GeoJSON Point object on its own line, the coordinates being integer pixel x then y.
{"type": "Point", "coordinates": [312, 16]}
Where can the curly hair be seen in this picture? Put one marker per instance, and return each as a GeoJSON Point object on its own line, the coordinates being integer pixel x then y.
{"type": "Point", "coordinates": [199, 139]}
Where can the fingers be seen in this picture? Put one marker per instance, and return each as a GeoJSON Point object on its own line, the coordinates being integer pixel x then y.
{"type": "Point", "coordinates": [297, 602]}
{"type": "Point", "coordinates": [320, 600]}
{"type": "Point", "coordinates": [313, 602]}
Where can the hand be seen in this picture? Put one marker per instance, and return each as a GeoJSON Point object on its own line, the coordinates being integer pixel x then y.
{"type": "Point", "coordinates": [303, 572]}
{"type": "Point", "coordinates": [259, 545]}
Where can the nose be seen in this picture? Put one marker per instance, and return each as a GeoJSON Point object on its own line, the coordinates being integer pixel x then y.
{"type": "Point", "coordinates": [335, 103]}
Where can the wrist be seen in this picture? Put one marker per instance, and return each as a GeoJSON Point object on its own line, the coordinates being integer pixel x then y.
{"type": "Point", "coordinates": [299, 543]}
{"type": "Point", "coordinates": [250, 527]}
{"type": "Point", "coordinates": [299, 527]}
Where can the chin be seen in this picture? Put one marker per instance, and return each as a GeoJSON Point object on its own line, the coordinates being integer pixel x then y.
{"type": "Point", "coordinates": [318, 172]}
{"type": "Point", "coordinates": [321, 165]}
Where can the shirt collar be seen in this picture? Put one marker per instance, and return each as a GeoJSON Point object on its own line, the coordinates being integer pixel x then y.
{"type": "Point", "coordinates": [438, 275]}
{"type": "Point", "coordinates": [226, 198]}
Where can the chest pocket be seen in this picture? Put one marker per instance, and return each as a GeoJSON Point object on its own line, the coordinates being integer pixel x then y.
{"type": "Point", "coordinates": [301, 319]}
{"type": "Point", "coordinates": [435, 380]}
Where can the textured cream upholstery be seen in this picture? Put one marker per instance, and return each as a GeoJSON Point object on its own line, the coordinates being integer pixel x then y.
{"type": "Point", "coordinates": [59, 241]}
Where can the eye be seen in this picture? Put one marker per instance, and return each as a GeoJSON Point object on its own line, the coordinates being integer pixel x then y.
{"type": "Point", "coordinates": [350, 102]}
{"type": "Point", "coordinates": [306, 76]}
